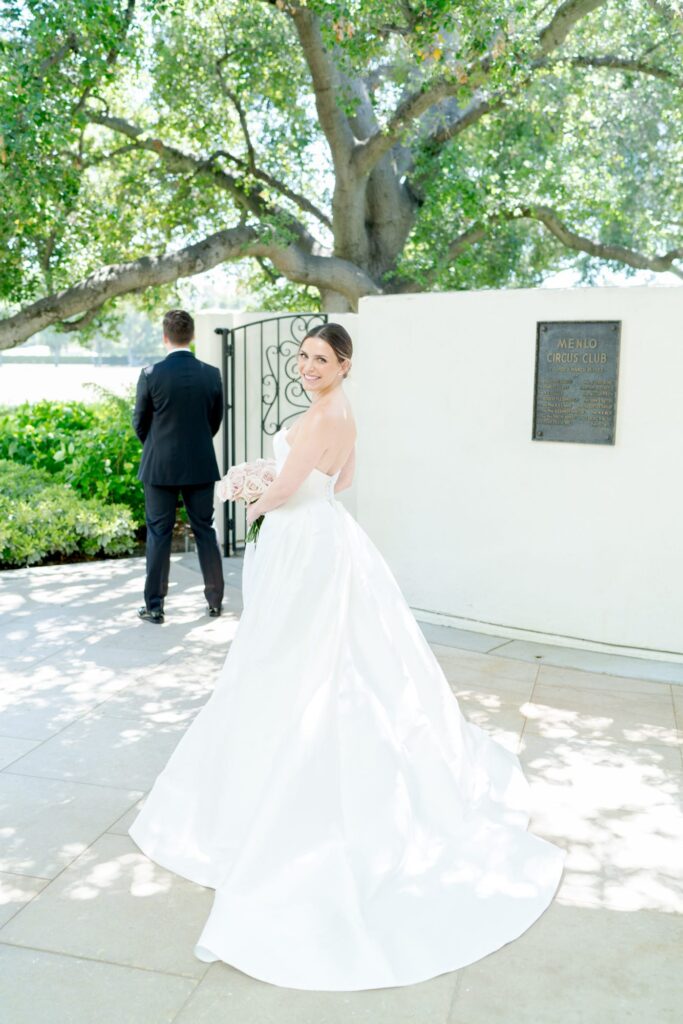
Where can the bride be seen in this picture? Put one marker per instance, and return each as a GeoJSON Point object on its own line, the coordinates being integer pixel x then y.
{"type": "Point", "coordinates": [359, 833]}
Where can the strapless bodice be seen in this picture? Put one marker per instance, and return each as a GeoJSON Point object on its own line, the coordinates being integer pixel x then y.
{"type": "Point", "coordinates": [317, 485]}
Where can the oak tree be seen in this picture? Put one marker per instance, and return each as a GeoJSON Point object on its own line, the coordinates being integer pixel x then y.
{"type": "Point", "coordinates": [346, 148]}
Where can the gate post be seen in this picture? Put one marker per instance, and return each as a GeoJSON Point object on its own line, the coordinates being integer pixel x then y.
{"type": "Point", "coordinates": [209, 348]}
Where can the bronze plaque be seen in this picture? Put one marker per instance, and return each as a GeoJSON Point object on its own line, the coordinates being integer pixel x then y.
{"type": "Point", "coordinates": [577, 369]}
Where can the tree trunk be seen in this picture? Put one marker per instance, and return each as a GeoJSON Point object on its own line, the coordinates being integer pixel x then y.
{"type": "Point", "coordinates": [335, 302]}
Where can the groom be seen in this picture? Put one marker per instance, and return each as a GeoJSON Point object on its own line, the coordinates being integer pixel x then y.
{"type": "Point", "coordinates": [178, 409]}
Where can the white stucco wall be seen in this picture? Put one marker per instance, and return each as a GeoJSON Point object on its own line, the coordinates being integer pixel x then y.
{"type": "Point", "coordinates": [483, 526]}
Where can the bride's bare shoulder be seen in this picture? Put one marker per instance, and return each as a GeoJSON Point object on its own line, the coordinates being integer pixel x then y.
{"type": "Point", "coordinates": [326, 423]}
{"type": "Point", "coordinates": [333, 422]}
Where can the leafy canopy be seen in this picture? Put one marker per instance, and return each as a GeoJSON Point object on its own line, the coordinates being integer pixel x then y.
{"type": "Point", "coordinates": [342, 148]}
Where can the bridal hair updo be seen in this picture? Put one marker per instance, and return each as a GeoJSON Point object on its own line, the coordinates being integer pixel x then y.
{"type": "Point", "coordinates": [337, 337]}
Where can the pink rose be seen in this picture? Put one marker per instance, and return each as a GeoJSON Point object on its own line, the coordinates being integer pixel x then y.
{"type": "Point", "coordinates": [247, 481]}
{"type": "Point", "coordinates": [236, 479]}
{"type": "Point", "coordinates": [253, 487]}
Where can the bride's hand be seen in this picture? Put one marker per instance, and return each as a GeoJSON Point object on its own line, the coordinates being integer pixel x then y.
{"type": "Point", "coordinates": [251, 513]}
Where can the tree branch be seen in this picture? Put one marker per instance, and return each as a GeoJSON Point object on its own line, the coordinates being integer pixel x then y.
{"type": "Point", "coordinates": [614, 63]}
{"type": "Point", "coordinates": [571, 239]}
{"type": "Point", "coordinates": [328, 273]}
{"type": "Point", "coordinates": [279, 186]}
{"type": "Point", "coordinates": [326, 86]}
{"type": "Point", "coordinates": [70, 45]}
{"type": "Point", "coordinates": [562, 22]}
{"type": "Point", "coordinates": [234, 99]}
{"type": "Point", "coordinates": [86, 298]}
{"type": "Point", "coordinates": [605, 251]}
{"type": "Point", "coordinates": [119, 279]}
{"type": "Point", "coordinates": [416, 104]}
{"type": "Point", "coordinates": [66, 326]}
{"type": "Point", "coordinates": [250, 164]}
{"type": "Point", "coordinates": [247, 197]}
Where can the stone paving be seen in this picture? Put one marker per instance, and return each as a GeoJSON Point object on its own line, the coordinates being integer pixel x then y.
{"type": "Point", "coordinates": [92, 701]}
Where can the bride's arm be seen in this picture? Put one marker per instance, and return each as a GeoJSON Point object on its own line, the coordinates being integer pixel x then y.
{"type": "Point", "coordinates": [346, 475]}
{"type": "Point", "coordinates": [313, 438]}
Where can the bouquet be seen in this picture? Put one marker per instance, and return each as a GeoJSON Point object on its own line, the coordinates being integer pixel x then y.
{"type": "Point", "coordinates": [246, 482]}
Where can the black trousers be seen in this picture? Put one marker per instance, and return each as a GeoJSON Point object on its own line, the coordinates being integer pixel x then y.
{"type": "Point", "coordinates": [160, 509]}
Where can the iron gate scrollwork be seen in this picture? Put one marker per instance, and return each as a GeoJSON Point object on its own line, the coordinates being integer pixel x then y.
{"type": "Point", "coordinates": [263, 391]}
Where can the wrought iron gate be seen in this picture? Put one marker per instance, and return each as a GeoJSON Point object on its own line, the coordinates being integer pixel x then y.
{"type": "Point", "coordinates": [262, 392]}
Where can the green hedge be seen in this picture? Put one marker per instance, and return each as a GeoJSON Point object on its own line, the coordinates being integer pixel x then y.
{"type": "Point", "coordinates": [42, 518]}
{"type": "Point", "coordinates": [92, 447]}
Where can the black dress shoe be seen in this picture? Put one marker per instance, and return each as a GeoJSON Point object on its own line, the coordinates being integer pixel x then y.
{"type": "Point", "coordinates": [156, 616]}
{"type": "Point", "coordinates": [215, 611]}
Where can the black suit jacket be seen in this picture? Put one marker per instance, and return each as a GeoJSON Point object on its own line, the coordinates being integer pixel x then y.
{"type": "Point", "coordinates": [178, 409]}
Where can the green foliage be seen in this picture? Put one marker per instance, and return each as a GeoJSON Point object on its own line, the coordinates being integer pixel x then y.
{"type": "Point", "coordinates": [603, 146]}
{"type": "Point", "coordinates": [92, 448]}
{"type": "Point", "coordinates": [42, 519]}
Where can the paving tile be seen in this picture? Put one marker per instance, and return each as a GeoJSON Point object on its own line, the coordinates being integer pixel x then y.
{"type": "Point", "coordinates": [111, 695]}
{"type": "Point", "coordinates": [182, 628]}
{"type": "Point", "coordinates": [570, 711]}
{"type": "Point", "coordinates": [47, 823]}
{"type": "Point", "coordinates": [579, 966]}
{"type": "Point", "coordinates": [37, 987]}
{"type": "Point", "coordinates": [452, 636]}
{"type": "Point", "coordinates": [552, 675]}
{"type": "Point", "coordinates": [122, 824]}
{"type": "Point", "coordinates": [38, 701]}
{"type": "Point", "coordinates": [593, 661]}
{"type": "Point", "coordinates": [491, 664]}
{"type": "Point", "coordinates": [173, 690]}
{"type": "Point", "coordinates": [162, 698]}
{"type": "Point", "coordinates": [104, 750]}
{"type": "Point", "coordinates": [10, 600]}
{"type": "Point", "coordinates": [226, 995]}
{"type": "Point", "coordinates": [466, 679]}
{"type": "Point", "coordinates": [115, 904]}
{"type": "Point", "coordinates": [28, 638]}
{"type": "Point", "coordinates": [618, 811]}
{"type": "Point", "coordinates": [12, 748]}
{"type": "Point", "coordinates": [16, 891]}
{"type": "Point", "coordinates": [232, 567]}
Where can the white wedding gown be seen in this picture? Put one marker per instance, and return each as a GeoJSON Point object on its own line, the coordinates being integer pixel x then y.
{"type": "Point", "coordinates": [358, 831]}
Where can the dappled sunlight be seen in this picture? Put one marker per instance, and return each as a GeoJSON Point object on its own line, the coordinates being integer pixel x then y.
{"type": "Point", "coordinates": [11, 892]}
{"type": "Point", "coordinates": [149, 880]}
{"type": "Point", "coordinates": [35, 703]}
{"type": "Point", "coordinates": [140, 875]}
{"type": "Point", "coordinates": [170, 711]}
{"type": "Point", "coordinates": [563, 723]}
{"type": "Point", "coordinates": [558, 723]}
{"type": "Point", "coordinates": [19, 861]}
{"type": "Point", "coordinates": [474, 698]}
{"type": "Point", "coordinates": [616, 809]}
{"type": "Point", "coordinates": [646, 733]}
{"type": "Point", "coordinates": [114, 697]}
{"type": "Point", "coordinates": [10, 603]}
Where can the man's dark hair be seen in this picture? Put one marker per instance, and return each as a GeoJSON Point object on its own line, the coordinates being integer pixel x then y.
{"type": "Point", "coordinates": [178, 327]}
